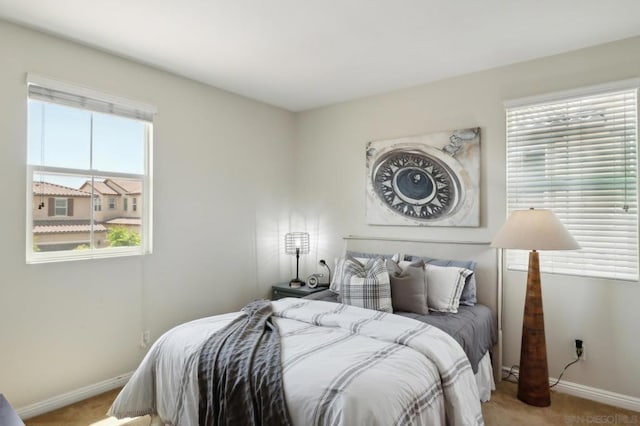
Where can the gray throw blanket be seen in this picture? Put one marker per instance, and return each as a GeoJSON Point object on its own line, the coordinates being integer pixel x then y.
{"type": "Point", "coordinates": [240, 372]}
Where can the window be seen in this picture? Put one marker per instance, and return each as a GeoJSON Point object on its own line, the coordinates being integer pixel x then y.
{"type": "Point", "coordinates": [83, 145]}
{"type": "Point", "coordinates": [134, 204]}
{"type": "Point", "coordinates": [576, 154]}
{"type": "Point", "coordinates": [125, 204]}
{"type": "Point", "coordinates": [60, 206]}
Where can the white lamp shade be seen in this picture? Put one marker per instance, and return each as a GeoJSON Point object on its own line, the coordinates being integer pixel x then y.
{"type": "Point", "coordinates": [296, 242]}
{"type": "Point", "coordinates": [534, 229]}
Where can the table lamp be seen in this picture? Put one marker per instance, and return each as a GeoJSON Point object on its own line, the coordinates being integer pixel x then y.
{"type": "Point", "coordinates": [534, 230]}
{"type": "Point", "coordinates": [296, 243]}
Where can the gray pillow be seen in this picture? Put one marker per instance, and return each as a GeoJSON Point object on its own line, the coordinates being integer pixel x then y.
{"type": "Point", "coordinates": [468, 296]}
{"type": "Point", "coordinates": [408, 288]}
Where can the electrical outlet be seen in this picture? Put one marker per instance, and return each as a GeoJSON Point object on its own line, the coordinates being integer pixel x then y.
{"type": "Point", "coordinates": [579, 343]}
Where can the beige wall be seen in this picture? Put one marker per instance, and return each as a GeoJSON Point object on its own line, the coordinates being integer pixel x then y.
{"type": "Point", "coordinates": [69, 325]}
{"type": "Point", "coordinates": [330, 196]}
{"type": "Point", "coordinates": [129, 212]}
{"type": "Point", "coordinates": [81, 209]}
{"type": "Point", "coordinates": [89, 329]}
{"type": "Point", "coordinates": [105, 213]}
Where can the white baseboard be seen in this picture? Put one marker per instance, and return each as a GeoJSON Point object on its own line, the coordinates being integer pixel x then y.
{"type": "Point", "coordinates": [593, 394]}
{"type": "Point", "coordinates": [72, 397]}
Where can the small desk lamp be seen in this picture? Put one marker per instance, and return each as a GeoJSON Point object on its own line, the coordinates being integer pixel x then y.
{"type": "Point", "coordinates": [324, 263]}
{"type": "Point", "coordinates": [534, 230]}
{"type": "Point", "coordinates": [296, 243]}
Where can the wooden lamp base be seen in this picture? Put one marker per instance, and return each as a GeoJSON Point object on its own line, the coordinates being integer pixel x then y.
{"type": "Point", "coordinates": [533, 378]}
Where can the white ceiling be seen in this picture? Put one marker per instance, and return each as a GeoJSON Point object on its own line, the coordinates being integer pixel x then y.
{"type": "Point", "coordinates": [301, 54]}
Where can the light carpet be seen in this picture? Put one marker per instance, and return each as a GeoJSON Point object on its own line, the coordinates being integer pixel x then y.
{"type": "Point", "coordinates": [503, 409]}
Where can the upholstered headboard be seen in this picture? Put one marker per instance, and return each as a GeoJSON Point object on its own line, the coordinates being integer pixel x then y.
{"type": "Point", "coordinates": [489, 291]}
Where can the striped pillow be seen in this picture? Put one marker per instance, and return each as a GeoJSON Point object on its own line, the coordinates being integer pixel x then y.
{"type": "Point", "coordinates": [338, 273]}
{"type": "Point", "coordinates": [358, 258]}
{"type": "Point", "coordinates": [444, 287]}
{"type": "Point", "coordinates": [366, 286]}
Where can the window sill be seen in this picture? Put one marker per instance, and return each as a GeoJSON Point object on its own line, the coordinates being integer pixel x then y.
{"type": "Point", "coordinates": [66, 256]}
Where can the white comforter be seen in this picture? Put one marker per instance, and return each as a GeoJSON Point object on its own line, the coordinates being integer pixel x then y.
{"type": "Point", "coordinates": [342, 365]}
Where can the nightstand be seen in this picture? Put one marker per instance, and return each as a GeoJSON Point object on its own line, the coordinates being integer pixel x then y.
{"type": "Point", "coordinates": [279, 291]}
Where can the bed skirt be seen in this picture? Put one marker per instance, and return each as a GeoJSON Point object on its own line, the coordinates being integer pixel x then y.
{"type": "Point", "coordinates": [484, 378]}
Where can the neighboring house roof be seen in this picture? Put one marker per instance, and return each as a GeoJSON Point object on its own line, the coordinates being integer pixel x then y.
{"type": "Point", "coordinates": [51, 189]}
{"type": "Point", "coordinates": [99, 187]}
{"type": "Point", "coordinates": [54, 222]}
{"type": "Point", "coordinates": [114, 187]}
{"type": "Point", "coordinates": [61, 229]}
{"type": "Point", "coordinates": [129, 186]}
{"type": "Point", "coordinates": [124, 221]}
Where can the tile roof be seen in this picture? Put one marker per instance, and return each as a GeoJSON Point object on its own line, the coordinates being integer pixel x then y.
{"type": "Point", "coordinates": [130, 186]}
{"type": "Point", "coordinates": [46, 188]}
{"type": "Point", "coordinates": [100, 187]}
{"type": "Point", "coordinates": [115, 187]}
{"type": "Point", "coordinates": [125, 221]}
{"type": "Point", "coordinates": [61, 229]}
{"type": "Point", "coordinates": [53, 222]}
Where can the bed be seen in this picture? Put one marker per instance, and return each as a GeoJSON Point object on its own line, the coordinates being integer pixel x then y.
{"type": "Point", "coordinates": [472, 327]}
{"type": "Point", "coordinates": [487, 272]}
{"type": "Point", "coordinates": [341, 365]}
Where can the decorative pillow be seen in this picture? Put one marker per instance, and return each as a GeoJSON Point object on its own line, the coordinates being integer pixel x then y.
{"type": "Point", "coordinates": [366, 286]}
{"type": "Point", "coordinates": [357, 257]}
{"type": "Point", "coordinates": [408, 287]}
{"type": "Point", "coordinates": [339, 271]}
{"type": "Point", "coordinates": [468, 296]}
{"type": "Point", "coordinates": [444, 287]}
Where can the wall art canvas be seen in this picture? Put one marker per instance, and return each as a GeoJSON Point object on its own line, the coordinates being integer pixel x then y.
{"type": "Point", "coordinates": [425, 180]}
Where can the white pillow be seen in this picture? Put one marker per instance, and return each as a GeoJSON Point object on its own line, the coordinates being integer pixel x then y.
{"type": "Point", "coordinates": [338, 264]}
{"type": "Point", "coordinates": [403, 264]}
{"type": "Point", "coordinates": [444, 287]}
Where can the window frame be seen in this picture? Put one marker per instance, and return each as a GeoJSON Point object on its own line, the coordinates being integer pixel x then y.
{"type": "Point", "coordinates": [146, 243]}
{"type": "Point", "coordinates": [514, 260]}
{"type": "Point", "coordinates": [55, 207]}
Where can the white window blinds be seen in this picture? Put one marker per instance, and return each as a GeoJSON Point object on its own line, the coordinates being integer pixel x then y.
{"type": "Point", "coordinates": [44, 89]}
{"type": "Point", "coordinates": [578, 157]}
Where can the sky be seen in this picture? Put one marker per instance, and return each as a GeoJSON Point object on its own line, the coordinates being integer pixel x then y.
{"type": "Point", "coordinates": [117, 143]}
